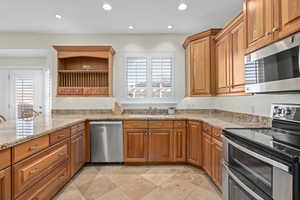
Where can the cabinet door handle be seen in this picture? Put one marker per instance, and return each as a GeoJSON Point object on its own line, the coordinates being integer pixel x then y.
{"type": "Point", "coordinates": [268, 33]}
{"type": "Point", "coordinates": [275, 29]}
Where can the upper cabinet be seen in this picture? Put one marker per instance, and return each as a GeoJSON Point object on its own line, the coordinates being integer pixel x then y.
{"type": "Point", "coordinates": [259, 22]}
{"type": "Point", "coordinates": [84, 71]}
{"type": "Point", "coordinates": [230, 51]}
{"type": "Point", "coordinates": [287, 13]}
{"type": "Point", "coordinates": [270, 20]}
{"type": "Point", "coordinates": [200, 63]}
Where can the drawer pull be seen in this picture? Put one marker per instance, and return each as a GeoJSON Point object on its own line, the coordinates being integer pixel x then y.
{"type": "Point", "coordinates": [62, 154]}
{"type": "Point", "coordinates": [33, 171]}
{"type": "Point", "coordinates": [61, 177]}
{"type": "Point", "coordinates": [61, 136]}
{"type": "Point", "coordinates": [34, 147]}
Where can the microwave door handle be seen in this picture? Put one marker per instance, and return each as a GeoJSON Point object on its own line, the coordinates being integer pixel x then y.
{"type": "Point", "coordinates": [259, 156]}
{"type": "Point", "coordinates": [241, 184]}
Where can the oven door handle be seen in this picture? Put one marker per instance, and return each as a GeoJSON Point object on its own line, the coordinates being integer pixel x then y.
{"type": "Point", "coordinates": [241, 184]}
{"type": "Point", "coordinates": [259, 156]}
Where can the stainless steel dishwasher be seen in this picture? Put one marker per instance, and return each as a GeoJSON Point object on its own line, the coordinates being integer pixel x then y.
{"type": "Point", "coordinates": [106, 142]}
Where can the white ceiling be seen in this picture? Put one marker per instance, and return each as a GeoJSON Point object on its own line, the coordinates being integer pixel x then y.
{"type": "Point", "coordinates": [87, 16]}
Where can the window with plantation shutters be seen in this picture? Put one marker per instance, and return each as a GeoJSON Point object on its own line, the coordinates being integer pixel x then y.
{"type": "Point", "coordinates": [161, 76]}
{"type": "Point", "coordinates": [24, 94]}
{"type": "Point", "coordinates": [149, 76]}
{"type": "Point", "coordinates": [136, 77]}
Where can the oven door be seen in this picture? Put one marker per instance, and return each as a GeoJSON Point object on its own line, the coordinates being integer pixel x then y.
{"type": "Point", "coordinates": [251, 173]}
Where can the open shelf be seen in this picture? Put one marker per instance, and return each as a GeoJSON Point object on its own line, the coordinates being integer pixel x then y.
{"type": "Point", "coordinates": [84, 71]}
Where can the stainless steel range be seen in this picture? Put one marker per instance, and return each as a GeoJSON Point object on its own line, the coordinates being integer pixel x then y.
{"type": "Point", "coordinates": [263, 164]}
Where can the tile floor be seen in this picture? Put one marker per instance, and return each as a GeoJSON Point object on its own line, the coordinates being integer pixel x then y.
{"type": "Point", "coordinates": [118, 182]}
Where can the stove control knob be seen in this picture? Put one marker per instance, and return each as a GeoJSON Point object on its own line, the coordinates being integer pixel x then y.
{"type": "Point", "coordinates": [288, 111]}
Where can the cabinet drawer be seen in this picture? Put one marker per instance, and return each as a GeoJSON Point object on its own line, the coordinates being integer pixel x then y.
{"type": "Point", "coordinates": [161, 124]}
{"type": "Point", "coordinates": [59, 136]}
{"type": "Point", "coordinates": [179, 124]}
{"type": "Point", "coordinates": [134, 124]}
{"type": "Point", "coordinates": [206, 128]}
{"type": "Point", "coordinates": [76, 129]}
{"type": "Point", "coordinates": [28, 172]}
{"type": "Point", "coordinates": [216, 133]}
{"type": "Point", "coordinates": [5, 158]}
{"type": "Point", "coordinates": [48, 186]}
{"type": "Point", "coordinates": [29, 148]}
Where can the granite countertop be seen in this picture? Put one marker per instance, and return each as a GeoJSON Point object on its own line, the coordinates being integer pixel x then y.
{"type": "Point", "coordinates": [16, 132]}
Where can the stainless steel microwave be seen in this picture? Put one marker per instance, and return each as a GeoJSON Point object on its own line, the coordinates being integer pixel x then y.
{"type": "Point", "coordinates": [275, 68]}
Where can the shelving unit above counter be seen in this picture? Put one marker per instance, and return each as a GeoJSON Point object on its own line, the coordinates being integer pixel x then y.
{"type": "Point", "coordinates": [84, 71]}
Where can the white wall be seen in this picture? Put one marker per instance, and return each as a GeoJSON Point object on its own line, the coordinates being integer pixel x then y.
{"type": "Point", "coordinates": [123, 44]}
{"type": "Point", "coordinates": [20, 62]}
{"type": "Point", "coordinates": [257, 104]}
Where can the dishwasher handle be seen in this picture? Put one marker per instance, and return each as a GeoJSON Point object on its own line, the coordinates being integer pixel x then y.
{"type": "Point", "coordinates": [106, 123]}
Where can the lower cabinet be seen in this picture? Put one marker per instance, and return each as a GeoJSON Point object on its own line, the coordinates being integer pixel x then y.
{"type": "Point", "coordinates": [77, 153]}
{"type": "Point", "coordinates": [5, 184]}
{"type": "Point", "coordinates": [48, 186]}
{"type": "Point", "coordinates": [30, 171]}
{"type": "Point", "coordinates": [207, 153]}
{"type": "Point", "coordinates": [194, 143]}
{"type": "Point", "coordinates": [217, 159]}
{"type": "Point", "coordinates": [135, 145]}
{"type": "Point", "coordinates": [160, 145]}
{"type": "Point", "coordinates": [179, 144]}
{"type": "Point", "coordinates": [161, 142]}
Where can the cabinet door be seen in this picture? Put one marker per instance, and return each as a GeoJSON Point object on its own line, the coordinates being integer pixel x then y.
{"type": "Point", "coordinates": [288, 12]}
{"type": "Point", "coordinates": [237, 73]}
{"type": "Point", "coordinates": [77, 153]}
{"type": "Point", "coordinates": [223, 63]}
{"type": "Point", "coordinates": [206, 152]}
{"type": "Point", "coordinates": [5, 184]}
{"type": "Point", "coordinates": [135, 145]}
{"type": "Point", "coordinates": [200, 67]}
{"type": "Point", "coordinates": [217, 159]}
{"type": "Point", "coordinates": [160, 145]}
{"type": "Point", "coordinates": [179, 144]}
{"type": "Point", "coordinates": [194, 143]}
{"type": "Point", "coordinates": [259, 21]}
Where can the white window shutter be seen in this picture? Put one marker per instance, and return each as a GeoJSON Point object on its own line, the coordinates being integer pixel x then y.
{"type": "Point", "coordinates": [161, 76]}
{"type": "Point", "coordinates": [136, 77]}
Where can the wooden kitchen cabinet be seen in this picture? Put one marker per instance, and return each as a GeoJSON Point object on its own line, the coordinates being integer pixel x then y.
{"type": "Point", "coordinates": [287, 17]}
{"type": "Point", "coordinates": [223, 55]}
{"type": "Point", "coordinates": [230, 52]}
{"type": "Point", "coordinates": [135, 145]}
{"type": "Point", "coordinates": [29, 171]}
{"type": "Point", "coordinates": [77, 153]}
{"type": "Point", "coordinates": [207, 153]}
{"type": "Point", "coordinates": [200, 63]}
{"type": "Point", "coordinates": [5, 184]}
{"type": "Point", "coordinates": [217, 159]}
{"type": "Point", "coordinates": [259, 22]}
{"type": "Point", "coordinates": [160, 145]}
{"type": "Point", "coordinates": [194, 143]}
{"type": "Point", "coordinates": [179, 144]}
{"type": "Point", "coordinates": [270, 20]}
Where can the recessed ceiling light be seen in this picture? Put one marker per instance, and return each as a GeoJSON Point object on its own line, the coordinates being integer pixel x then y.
{"type": "Point", "coordinates": [58, 16]}
{"type": "Point", "coordinates": [170, 27]}
{"type": "Point", "coordinates": [182, 6]}
{"type": "Point", "coordinates": [131, 27]}
{"type": "Point", "coordinates": [107, 7]}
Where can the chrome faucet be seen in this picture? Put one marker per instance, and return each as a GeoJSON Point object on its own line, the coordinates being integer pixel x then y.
{"type": "Point", "coordinates": [2, 118]}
